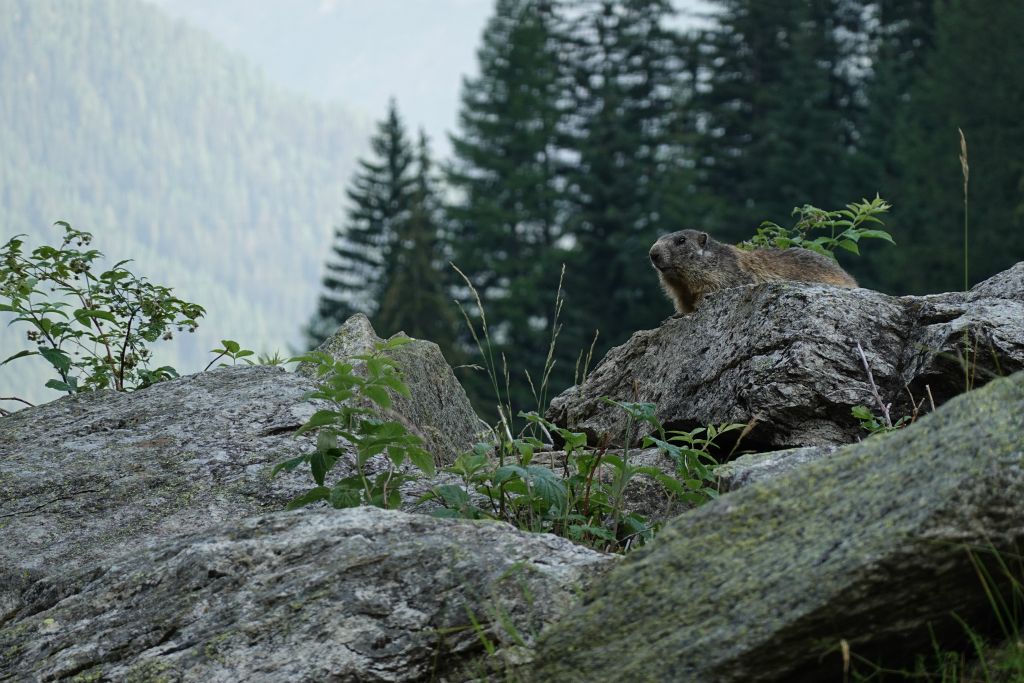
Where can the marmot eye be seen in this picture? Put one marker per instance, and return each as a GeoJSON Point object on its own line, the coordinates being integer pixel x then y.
{"type": "Point", "coordinates": [680, 240]}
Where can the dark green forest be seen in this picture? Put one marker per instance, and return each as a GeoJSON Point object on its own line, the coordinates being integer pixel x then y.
{"type": "Point", "coordinates": [595, 126]}
{"type": "Point", "coordinates": [175, 153]}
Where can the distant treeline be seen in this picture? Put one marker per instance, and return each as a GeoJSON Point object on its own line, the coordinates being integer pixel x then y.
{"type": "Point", "coordinates": [595, 126]}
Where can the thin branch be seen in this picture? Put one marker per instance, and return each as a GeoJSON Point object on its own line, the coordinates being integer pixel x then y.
{"type": "Point", "coordinates": [20, 400]}
{"type": "Point", "coordinates": [874, 388]}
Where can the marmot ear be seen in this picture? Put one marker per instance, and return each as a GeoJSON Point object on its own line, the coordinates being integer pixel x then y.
{"type": "Point", "coordinates": [702, 239]}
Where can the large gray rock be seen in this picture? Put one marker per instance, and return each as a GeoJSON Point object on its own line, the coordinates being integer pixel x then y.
{"type": "Point", "coordinates": [438, 410]}
{"type": "Point", "coordinates": [92, 475]}
{"type": "Point", "coordinates": [354, 595]}
{"type": "Point", "coordinates": [868, 545]}
{"type": "Point", "coordinates": [785, 355]}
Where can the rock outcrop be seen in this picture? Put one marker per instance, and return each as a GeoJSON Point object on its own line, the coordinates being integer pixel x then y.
{"type": "Point", "coordinates": [438, 410]}
{"type": "Point", "coordinates": [869, 545]}
{"type": "Point", "coordinates": [785, 355]}
{"type": "Point", "coordinates": [346, 595]}
{"type": "Point", "coordinates": [142, 538]}
{"type": "Point", "coordinates": [89, 475]}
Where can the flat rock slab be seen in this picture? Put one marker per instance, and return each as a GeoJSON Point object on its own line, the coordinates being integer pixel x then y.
{"type": "Point", "coordinates": [867, 545]}
{"type": "Point", "coordinates": [351, 595]}
{"type": "Point", "coordinates": [785, 355]}
{"type": "Point", "coordinates": [100, 473]}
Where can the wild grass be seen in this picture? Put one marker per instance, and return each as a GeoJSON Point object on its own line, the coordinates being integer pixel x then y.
{"type": "Point", "coordinates": [994, 657]}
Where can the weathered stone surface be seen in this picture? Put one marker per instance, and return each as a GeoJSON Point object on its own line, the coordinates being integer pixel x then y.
{"type": "Point", "coordinates": [354, 595]}
{"type": "Point", "coordinates": [867, 545]}
{"type": "Point", "coordinates": [91, 474]}
{"type": "Point", "coordinates": [438, 411]}
{"type": "Point", "coordinates": [786, 355]}
{"type": "Point", "coordinates": [755, 467]}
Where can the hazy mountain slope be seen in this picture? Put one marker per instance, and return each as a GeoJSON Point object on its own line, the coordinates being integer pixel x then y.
{"type": "Point", "coordinates": [174, 152]}
{"type": "Point", "coordinates": [360, 52]}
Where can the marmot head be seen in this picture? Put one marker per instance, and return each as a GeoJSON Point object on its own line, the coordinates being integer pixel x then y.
{"type": "Point", "coordinates": [678, 254]}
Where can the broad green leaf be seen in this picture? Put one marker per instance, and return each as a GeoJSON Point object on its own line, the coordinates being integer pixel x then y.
{"type": "Point", "coordinates": [394, 343]}
{"type": "Point", "coordinates": [288, 465]}
{"type": "Point", "coordinates": [452, 495]}
{"type": "Point", "coordinates": [396, 454]}
{"type": "Point", "coordinates": [321, 463]}
{"type": "Point", "coordinates": [395, 383]}
{"type": "Point", "coordinates": [311, 496]}
{"type": "Point", "coordinates": [20, 354]}
{"type": "Point", "coordinates": [421, 459]}
{"type": "Point", "coordinates": [319, 419]}
{"type": "Point", "coordinates": [548, 486]}
{"type": "Point", "coordinates": [508, 472]}
{"type": "Point", "coordinates": [59, 386]}
{"type": "Point", "coordinates": [378, 395]}
{"type": "Point", "coordinates": [57, 358]}
{"type": "Point", "coordinates": [85, 315]}
{"type": "Point", "coordinates": [879, 234]}
{"type": "Point", "coordinates": [849, 245]}
{"type": "Point", "coordinates": [343, 496]}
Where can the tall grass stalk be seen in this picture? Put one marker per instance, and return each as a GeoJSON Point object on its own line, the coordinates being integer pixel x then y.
{"type": "Point", "coordinates": [966, 170]}
{"type": "Point", "coordinates": [486, 349]}
{"type": "Point", "coordinates": [541, 397]}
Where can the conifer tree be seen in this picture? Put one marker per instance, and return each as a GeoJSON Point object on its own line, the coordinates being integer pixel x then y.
{"type": "Point", "coordinates": [381, 198]}
{"type": "Point", "coordinates": [415, 296]}
{"type": "Point", "coordinates": [507, 219]}
{"type": "Point", "coordinates": [970, 80]}
{"type": "Point", "coordinates": [779, 107]}
{"type": "Point", "coordinates": [626, 68]}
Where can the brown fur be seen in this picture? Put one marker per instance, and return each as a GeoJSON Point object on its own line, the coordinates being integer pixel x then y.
{"type": "Point", "coordinates": [690, 264]}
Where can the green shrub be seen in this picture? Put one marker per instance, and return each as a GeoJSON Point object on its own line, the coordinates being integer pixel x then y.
{"type": "Point", "coordinates": [845, 228]}
{"type": "Point", "coordinates": [93, 328]}
{"type": "Point", "coordinates": [352, 419]}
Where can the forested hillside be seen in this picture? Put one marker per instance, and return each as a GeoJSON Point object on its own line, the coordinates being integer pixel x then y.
{"type": "Point", "coordinates": [176, 154]}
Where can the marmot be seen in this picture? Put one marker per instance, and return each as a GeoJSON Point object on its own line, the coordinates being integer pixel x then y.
{"type": "Point", "coordinates": [690, 264]}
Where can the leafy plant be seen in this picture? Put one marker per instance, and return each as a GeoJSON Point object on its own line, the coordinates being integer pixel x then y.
{"type": "Point", "coordinates": [874, 424]}
{"type": "Point", "coordinates": [353, 418]}
{"type": "Point", "coordinates": [694, 461]}
{"type": "Point", "coordinates": [845, 228]}
{"type": "Point", "coordinates": [92, 328]}
{"type": "Point", "coordinates": [586, 501]}
{"type": "Point", "coordinates": [235, 352]}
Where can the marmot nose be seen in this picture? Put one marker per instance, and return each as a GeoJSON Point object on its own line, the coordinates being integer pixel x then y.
{"type": "Point", "coordinates": [655, 257]}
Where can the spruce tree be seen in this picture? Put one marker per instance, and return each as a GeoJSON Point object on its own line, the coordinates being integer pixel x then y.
{"type": "Point", "coordinates": [970, 80]}
{"type": "Point", "coordinates": [626, 68]}
{"type": "Point", "coordinates": [779, 107]}
{"type": "Point", "coordinates": [381, 198]}
{"type": "Point", "coordinates": [415, 295]}
{"type": "Point", "coordinates": [900, 39]}
{"type": "Point", "coordinates": [507, 218]}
